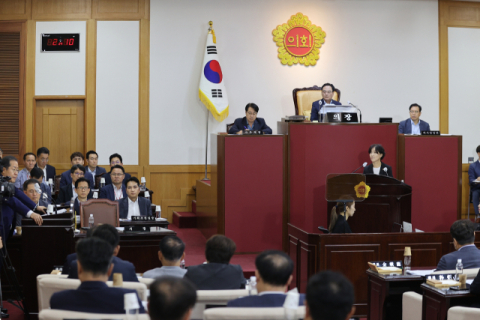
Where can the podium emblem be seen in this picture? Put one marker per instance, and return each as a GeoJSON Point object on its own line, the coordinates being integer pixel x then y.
{"type": "Point", "coordinates": [362, 190]}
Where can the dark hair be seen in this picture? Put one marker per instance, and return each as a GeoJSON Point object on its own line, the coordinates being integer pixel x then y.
{"type": "Point", "coordinates": [134, 179]}
{"type": "Point", "coordinates": [478, 149]}
{"type": "Point", "coordinates": [328, 84]}
{"type": "Point", "coordinates": [219, 249]}
{"type": "Point", "coordinates": [77, 166]}
{"type": "Point", "coordinates": [251, 105]}
{"type": "Point", "coordinates": [415, 105]}
{"type": "Point", "coordinates": [82, 179]}
{"type": "Point", "coordinates": [329, 296]}
{"type": "Point", "coordinates": [463, 231]}
{"type": "Point", "coordinates": [275, 267]}
{"type": "Point", "coordinates": [117, 166]}
{"type": "Point", "coordinates": [339, 208]}
{"type": "Point", "coordinates": [172, 248]}
{"type": "Point", "coordinates": [5, 163]}
{"type": "Point", "coordinates": [76, 154]}
{"type": "Point", "coordinates": [91, 152]}
{"type": "Point", "coordinates": [28, 182]}
{"type": "Point", "coordinates": [378, 149]}
{"type": "Point", "coordinates": [42, 150]}
{"type": "Point", "coordinates": [115, 155]}
{"type": "Point", "coordinates": [171, 298]}
{"type": "Point", "coordinates": [95, 255]}
{"type": "Point", "coordinates": [108, 233]}
{"type": "Point", "coordinates": [37, 173]}
{"type": "Point", "coordinates": [29, 154]}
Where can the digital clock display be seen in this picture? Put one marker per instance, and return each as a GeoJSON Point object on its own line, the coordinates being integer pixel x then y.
{"type": "Point", "coordinates": [60, 42]}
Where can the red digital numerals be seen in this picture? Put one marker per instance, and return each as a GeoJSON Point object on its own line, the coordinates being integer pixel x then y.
{"type": "Point", "coordinates": [61, 42]}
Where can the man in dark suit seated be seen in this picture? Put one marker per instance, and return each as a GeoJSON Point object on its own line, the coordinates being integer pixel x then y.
{"type": "Point", "coordinates": [82, 188]}
{"type": "Point", "coordinates": [413, 125]}
{"type": "Point", "coordinates": [217, 273]}
{"type": "Point", "coordinates": [133, 205]}
{"type": "Point", "coordinates": [274, 274]}
{"type": "Point", "coordinates": [171, 299]}
{"type": "Point", "coordinates": [38, 175]}
{"type": "Point", "coordinates": [463, 233]}
{"type": "Point", "coordinates": [108, 233]}
{"type": "Point", "coordinates": [49, 172]}
{"type": "Point", "coordinates": [329, 296]}
{"type": "Point", "coordinates": [93, 295]}
{"type": "Point", "coordinates": [76, 159]}
{"type": "Point", "coordinates": [68, 192]}
{"type": "Point", "coordinates": [115, 160]}
{"type": "Point", "coordinates": [116, 189]}
{"type": "Point", "coordinates": [250, 122]}
{"type": "Point", "coordinates": [31, 192]}
{"type": "Point", "coordinates": [92, 165]}
{"type": "Point", "coordinates": [327, 93]}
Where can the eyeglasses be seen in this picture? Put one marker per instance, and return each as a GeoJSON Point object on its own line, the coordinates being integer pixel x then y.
{"type": "Point", "coordinates": [93, 159]}
{"type": "Point", "coordinates": [252, 113]}
{"type": "Point", "coordinates": [14, 169]}
{"type": "Point", "coordinates": [32, 192]}
{"type": "Point", "coordinates": [116, 174]}
{"type": "Point", "coordinates": [327, 92]}
{"type": "Point", "coordinates": [414, 111]}
{"type": "Point", "coordinates": [115, 162]}
{"type": "Point", "coordinates": [83, 188]}
{"type": "Point", "coordinates": [81, 174]}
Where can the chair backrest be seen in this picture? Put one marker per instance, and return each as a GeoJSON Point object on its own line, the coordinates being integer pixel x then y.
{"type": "Point", "coordinates": [48, 314]}
{"type": "Point", "coordinates": [463, 313]}
{"type": "Point", "coordinates": [56, 183]}
{"type": "Point", "coordinates": [229, 126]}
{"type": "Point", "coordinates": [250, 313]}
{"type": "Point", "coordinates": [411, 306]}
{"type": "Point", "coordinates": [304, 97]}
{"type": "Point", "coordinates": [146, 281]}
{"type": "Point", "coordinates": [104, 211]}
{"type": "Point", "coordinates": [214, 297]}
{"type": "Point", "coordinates": [97, 180]}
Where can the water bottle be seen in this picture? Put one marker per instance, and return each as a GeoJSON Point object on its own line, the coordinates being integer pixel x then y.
{"type": "Point", "coordinates": [91, 221]}
{"type": "Point", "coordinates": [72, 203]}
{"type": "Point", "coordinates": [147, 195]}
{"type": "Point", "coordinates": [459, 269]}
{"type": "Point", "coordinates": [253, 285]}
{"type": "Point", "coordinates": [102, 183]}
{"type": "Point", "coordinates": [143, 184]}
{"type": "Point", "coordinates": [182, 264]}
{"type": "Point", "coordinates": [158, 212]}
{"type": "Point", "coordinates": [50, 182]}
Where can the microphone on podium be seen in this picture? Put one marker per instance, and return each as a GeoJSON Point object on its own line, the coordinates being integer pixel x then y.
{"type": "Point", "coordinates": [386, 171]}
{"type": "Point", "coordinates": [358, 110]}
{"type": "Point", "coordinates": [363, 165]}
{"type": "Point", "coordinates": [37, 189]}
{"type": "Point", "coordinates": [398, 224]}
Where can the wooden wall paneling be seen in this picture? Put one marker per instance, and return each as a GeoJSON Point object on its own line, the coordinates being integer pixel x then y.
{"type": "Point", "coordinates": [15, 10]}
{"type": "Point", "coordinates": [423, 254]}
{"type": "Point", "coordinates": [30, 85]}
{"type": "Point", "coordinates": [61, 9]}
{"type": "Point", "coordinates": [292, 252]}
{"type": "Point", "coordinates": [206, 208]}
{"type": "Point", "coordinates": [308, 257]}
{"type": "Point", "coordinates": [119, 9]}
{"type": "Point", "coordinates": [90, 86]}
{"type": "Point", "coordinates": [144, 94]}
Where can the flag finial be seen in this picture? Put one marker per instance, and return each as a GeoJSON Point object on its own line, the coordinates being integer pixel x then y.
{"type": "Point", "coordinates": [210, 30]}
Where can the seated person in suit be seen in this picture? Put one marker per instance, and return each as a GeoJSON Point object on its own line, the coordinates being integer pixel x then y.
{"type": "Point", "coordinates": [76, 159]}
{"type": "Point", "coordinates": [116, 189]}
{"type": "Point", "coordinates": [38, 175]}
{"type": "Point", "coordinates": [49, 172]}
{"type": "Point", "coordinates": [171, 299]}
{"type": "Point", "coordinates": [93, 295]}
{"type": "Point", "coordinates": [377, 153]}
{"type": "Point", "coordinates": [82, 188]}
{"type": "Point", "coordinates": [274, 274]}
{"type": "Point", "coordinates": [115, 160]}
{"type": "Point", "coordinates": [474, 179]}
{"type": "Point", "coordinates": [31, 191]}
{"type": "Point", "coordinates": [108, 233]}
{"type": "Point", "coordinates": [73, 256]}
{"type": "Point", "coordinates": [413, 125]}
{"type": "Point", "coordinates": [133, 205]}
{"type": "Point", "coordinates": [92, 165]}
{"type": "Point", "coordinates": [329, 296]}
{"type": "Point", "coordinates": [250, 122]}
{"type": "Point", "coordinates": [68, 192]}
{"type": "Point", "coordinates": [340, 214]}
{"type": "Point", "coordinates": [327, 93]}
{"type": "Point", "coordinates": [217, 273]}
{"type": "Point", "coordinates": [463, 234]}
{"type": "Point", "coordinates": [29, 162]}
{"type": "Point", "coordinates": [170, 254]}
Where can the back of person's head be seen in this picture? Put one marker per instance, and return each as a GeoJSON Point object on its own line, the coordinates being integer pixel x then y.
{"type": "Point", "coordinates": [172, 248]}
{"type": "Point", "coordinates": [329, 296]}
{"type": "Point", "coordinates": [37, 173]}
{"type": "Point", "coordinates": [339, 207]}
{"type": "Point", "coordinates": [108, 233]}
{"type": "Point", "coordinates": [219, 249]}
{"type": "Point", "coordinates": [463, 231]}
{"type": "Point", "coordinates": [171, 299]}
{"type": "Point", "coordinates": [94, 255]}
{"type": "Point", "coordinates": [275, 267]}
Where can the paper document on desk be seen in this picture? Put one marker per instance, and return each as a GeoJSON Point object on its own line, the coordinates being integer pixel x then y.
{"type": "Point", "coordinates": [422, 273]}
{"type": "Point", "coordinates": [469, 281]}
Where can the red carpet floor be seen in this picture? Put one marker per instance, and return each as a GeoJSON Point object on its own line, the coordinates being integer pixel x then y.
{"type": "Point", "coordinates": [14, 312]}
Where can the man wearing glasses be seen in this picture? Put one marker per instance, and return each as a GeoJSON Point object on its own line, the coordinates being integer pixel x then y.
{"type": "Point", "coordinates": [116, 160]}
{"type": "Point", "coordinates": [76, 159]}
{"type": "Point", "coordinates": [68, 192]}
{"type": "Point", "coordinates": [327, 93]}
{"type": "Point", "coordinates": [32, 194]}
{"type": "Point", "coordinates": [116, 190]}
{"type": "Point", "coordinates": [82, 188]}
{"type": "Point", "coordinates": [413, 125]}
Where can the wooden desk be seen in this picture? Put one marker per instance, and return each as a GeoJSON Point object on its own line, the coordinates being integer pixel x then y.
{"type": "Point", "coordinates": [436, 302]}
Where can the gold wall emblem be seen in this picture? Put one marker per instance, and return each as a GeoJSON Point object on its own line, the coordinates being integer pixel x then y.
{"type": "Point", "coordinates": [362, 190]}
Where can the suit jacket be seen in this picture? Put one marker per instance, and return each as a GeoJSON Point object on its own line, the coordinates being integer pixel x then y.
{"type": "Point", "coordinates": [127, 269]}
{"type": "Point", "coordinates": [317, 105]}
{"type": "Point", "coordinates": [108, 179]}
{"type": "Point", "coordinates": [473, 174]}
{"type": "Point", "coordinates": [341, 225]}
{"type": "Point", "coordinates": [51, 172]}
{"type": "Point", "coordinates": [93, 297]}
{"type": "Point", "coordinates": [20, 204]}
{"type": "Point", "coordinates": [70, 258]}
{"type": "Point", "coordinates": [107, 192]}
{"type": "Point", "coordinates": [267, 300]}
{"type": "Point", "coordinates": [369, 170]}
{"type": "Point", "coordinates": [76, 205]}
{"type": "Point", "coordinates": [470, 258]}
{"type": "Point", "coordinates": [143, 203]}
{"type": "Point", "coordinates": [405, 126]}
{"type": "Point", "coordinates": [475, 286]}
{"type": "Point", "coordinates": [67, 179]}
{"type": "Point", "coordinates": [66, 194]}
{"type": "Point", "coordinates": [258, 124]}
{"type": "Point", "coordinates": [216, 276]}
{"type": "Point", "coordinates": [46, 190]}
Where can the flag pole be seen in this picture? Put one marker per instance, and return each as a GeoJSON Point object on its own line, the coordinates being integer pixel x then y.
{"type": "Point", "coordinates": [206, 148]}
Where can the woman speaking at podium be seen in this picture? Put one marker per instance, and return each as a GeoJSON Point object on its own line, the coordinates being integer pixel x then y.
{"type": "Point", "coordinates": [377, 153]}
{"type": "Point", "coordinates": [340, 214]}
{"type": "Point", "coordinates": [250, 122]}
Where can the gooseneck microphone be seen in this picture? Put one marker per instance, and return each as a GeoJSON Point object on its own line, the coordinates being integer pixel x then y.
{"type": "Point", "coordinates": [358, 110]}
{"type": "Point", "coordinates": [401, 226]}
{"type": "Point", "coordinates": [363, 165]}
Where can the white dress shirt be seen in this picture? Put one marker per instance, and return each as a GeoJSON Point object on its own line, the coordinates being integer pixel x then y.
{"type": "Point", "coordinates": [75, 195]}
{"type": "Point", "coordinates": [133, 208]}
{"type": "Point", "coordinates": [118, 192]}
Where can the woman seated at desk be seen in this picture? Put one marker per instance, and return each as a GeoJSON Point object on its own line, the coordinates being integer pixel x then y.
{"type": "Point", "coordinates": [250, 122]}
{"type": "Point", "coordinates": [340, 214]}
{"type": "Point", "coordinates": [377, 153]}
